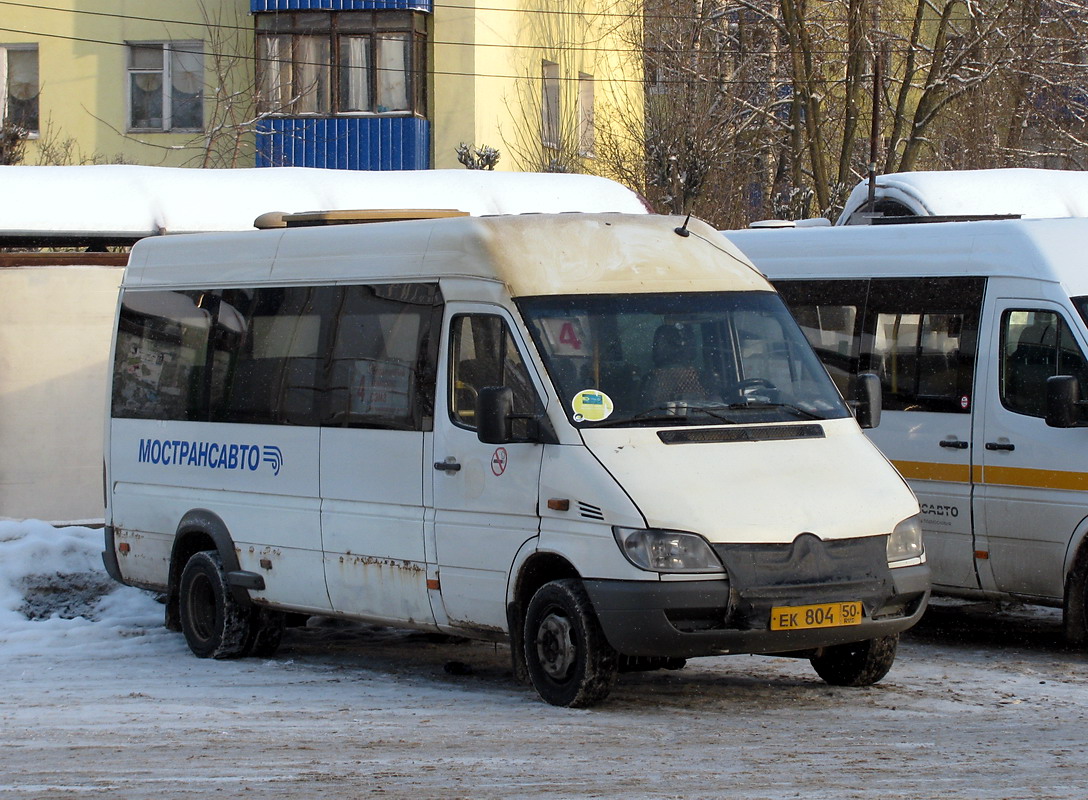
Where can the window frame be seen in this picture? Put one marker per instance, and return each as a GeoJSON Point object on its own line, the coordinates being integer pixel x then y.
{"type": "Point", "coordinates": [508, 342]}
{"type": "Point", "coordinates": [334, 29]}
{"type": "Point", "coordinates": [30, 132]}
{"type": "Point", "coordinates": [550, 104]}
{"type": "Point", "coordinates": [275, 355]}
{"type": "Point", "coordinates": [166, 70]}
{"type": "Point", "coordinates": [586, 124]}
{"type": "Point", "coordinates": [902, 296]}
{"type": "Point", "coordinates": [1065, 333]}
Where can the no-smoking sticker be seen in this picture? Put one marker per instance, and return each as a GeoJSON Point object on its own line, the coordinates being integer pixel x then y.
{"type": "Point", "coordinates": [498, 461]}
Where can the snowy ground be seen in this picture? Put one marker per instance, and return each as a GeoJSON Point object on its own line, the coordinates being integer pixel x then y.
{"type": "Point", "coordinates": [101, 701]}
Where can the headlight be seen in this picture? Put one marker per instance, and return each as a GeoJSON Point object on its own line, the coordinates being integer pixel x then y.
{"type": "Point", "coordinates": [667, 551]}
{"type": "Point", "coordinates": [905, 542]}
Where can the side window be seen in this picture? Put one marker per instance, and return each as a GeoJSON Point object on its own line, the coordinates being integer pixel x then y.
{"type": "Point", "coordinates": [265, 355]}
{"type": "Point", "coordinates": [1036, 345]}
{"type": "Point", "coordinates": [162, 342]}
{"type": "Point", "coordinates": [353, 356]}
{"type": "Point", "coordinates": [922, 335]}
{"type": "Point", "coordinates": [382, 365]}
{"type": "Point", "coordinates": [830, 314]}
{"type": "Point", "coordinates": [483, 353]}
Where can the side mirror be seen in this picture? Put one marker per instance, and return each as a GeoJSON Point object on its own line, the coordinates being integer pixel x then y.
{"type": "Point", "coordinates": [1062, 398]}
{"type": "Point", "coordinates": [494, 412]}
{"type": "Point", "coordinates": [869, 397]}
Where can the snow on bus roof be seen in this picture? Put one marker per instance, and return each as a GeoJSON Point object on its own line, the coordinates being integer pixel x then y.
{"type": "Point", "coordinates": [128, 199]}
{"type": "Point", "coordinates": [1031, 193]}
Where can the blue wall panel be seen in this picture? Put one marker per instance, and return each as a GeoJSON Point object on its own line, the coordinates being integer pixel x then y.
{"type": "Point", "coordinates": [369, 143]}
{"type": "Point", "coordinates": [257, 6]}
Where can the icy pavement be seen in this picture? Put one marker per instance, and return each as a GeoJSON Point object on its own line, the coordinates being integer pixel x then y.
{"type": "Point", "coordinates": [101, 701]}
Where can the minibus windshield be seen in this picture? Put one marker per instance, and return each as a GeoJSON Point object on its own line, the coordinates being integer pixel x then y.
{"type": "Point", "coordinates": [705, 358]}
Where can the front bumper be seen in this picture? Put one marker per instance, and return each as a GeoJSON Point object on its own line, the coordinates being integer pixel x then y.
{"type": "Point", "coordinates": [702, 618]}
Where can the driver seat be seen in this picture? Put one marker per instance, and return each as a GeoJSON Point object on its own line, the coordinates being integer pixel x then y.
{"type": "Point", "coordinates": [674, 375]}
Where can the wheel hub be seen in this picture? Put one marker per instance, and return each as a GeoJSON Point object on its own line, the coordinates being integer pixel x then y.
{"type": "Point", "coordinates": [554, 647]}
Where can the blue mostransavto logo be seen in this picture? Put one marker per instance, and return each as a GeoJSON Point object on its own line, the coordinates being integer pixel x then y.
{"type": "Point", "coordinates": [210, 455]}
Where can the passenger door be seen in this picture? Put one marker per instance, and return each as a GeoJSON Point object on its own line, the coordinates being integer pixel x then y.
{"type": "Point", "coordinates": [922, 342]}
{"type": "Point", "coordinates": [485, 496]}
{"type": "Point", "coordinates": [379, 402]}
{"type": "Point", "coordinates": [1032, 496]}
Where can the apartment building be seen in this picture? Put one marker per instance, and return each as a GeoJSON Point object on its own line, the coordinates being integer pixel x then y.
{"type": "Point", "coordinates": [351, 84]}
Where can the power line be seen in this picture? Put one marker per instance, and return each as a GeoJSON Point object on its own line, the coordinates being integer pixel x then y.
{"type": "Point", "coordinates": [445, 73]}
{"type": "Point", "coordinates": [208, 23]}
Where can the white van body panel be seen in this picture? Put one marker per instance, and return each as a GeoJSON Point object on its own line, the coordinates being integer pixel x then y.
{"type": "Point", "coordinates": [261, 480]}
{"type": "Point", "coordinates": [1003, 496]}
{"type": "Point", "coordinates": [733, 494]}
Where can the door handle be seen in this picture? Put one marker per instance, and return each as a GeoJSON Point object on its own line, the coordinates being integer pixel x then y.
{"type": "Point", "coordinates": [1000, 446]}
{"type": "Point", "coordinates": [447, 466]}
{"type": "Point", "coordinates": [955, 444]}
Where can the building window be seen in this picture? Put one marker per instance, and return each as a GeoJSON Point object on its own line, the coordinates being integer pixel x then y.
{"type": "Point", "coordinates": [549, 104]}
{"type": "Point", "coordinates": [19, 89]}
{"type": "Point", "coordinates": [165, 86]}
{"type": "Point", "coordinates": [353, 62]}
{"type": "Point", "coordinates": [585, 114]}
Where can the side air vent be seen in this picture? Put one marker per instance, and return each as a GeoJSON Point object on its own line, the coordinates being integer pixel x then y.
{"type": "Point", "coordinates": [590, 512]}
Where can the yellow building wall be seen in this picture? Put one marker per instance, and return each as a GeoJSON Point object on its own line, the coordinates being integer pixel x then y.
{"type": "Point", "coordinates": [82, 74]}
{"type": "Point", "coordinates": [487, 63]}
{"type": "Point", "coordinates": [485, 86]}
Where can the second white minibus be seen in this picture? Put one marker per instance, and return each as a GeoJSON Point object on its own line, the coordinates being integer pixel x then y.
{"type": "Point", "coordinates": [977, 331]}
{"type": "Point", "coordinates": [600, 438]}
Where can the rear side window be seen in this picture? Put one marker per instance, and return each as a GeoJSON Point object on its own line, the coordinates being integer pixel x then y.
{"type": "Point", "coordinates": [354, 356]}
{"type": "Point", "coordinates": [920, 335]}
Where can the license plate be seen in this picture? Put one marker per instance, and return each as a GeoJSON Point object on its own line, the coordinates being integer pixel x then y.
{"type": "Point", "coordinates": [824, 615]}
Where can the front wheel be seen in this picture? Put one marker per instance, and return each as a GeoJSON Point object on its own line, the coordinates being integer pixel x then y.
{"type": "Point", "coordinates": [569, 661]}
{"type": "Point", "coordinates": [214, 623]}
{"type": "Point", "coordinates": [856, 664]}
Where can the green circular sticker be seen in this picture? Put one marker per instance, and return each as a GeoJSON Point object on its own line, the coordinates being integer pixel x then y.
{"type": "Point", "coordinates": [591, 405]}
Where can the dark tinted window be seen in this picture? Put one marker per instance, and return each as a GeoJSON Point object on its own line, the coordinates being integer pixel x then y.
{"type": "Point", "coordinates": [1036, 345]}
{"type": "Point", "coordinates": [483, 353]}
{"type": "Point", "coordinates": [347, 356]}
{"type": "Point", "coordinates": [920, 335]}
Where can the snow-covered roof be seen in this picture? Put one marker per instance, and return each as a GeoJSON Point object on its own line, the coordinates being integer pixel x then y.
{"type": "Point", "coordinates": [135, 201]}
{"type": "Point", "coordinates": [1027, 192]}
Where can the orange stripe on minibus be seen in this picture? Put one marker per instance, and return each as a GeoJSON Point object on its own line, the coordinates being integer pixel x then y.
{"type": "Point", "coordinates": [994, 476]}
{"type": "Point", "coordinates": [1036, 478]}
{"type": "Point", "coordinates": [928, 471]}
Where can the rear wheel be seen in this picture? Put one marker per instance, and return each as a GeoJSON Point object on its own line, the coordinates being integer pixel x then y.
{"type": "Point", "coordinates": [214, 623]}
{"type": "Point", "coordinates": [569, 661]}
{"type": "Point", "coordinates": [856, 664]}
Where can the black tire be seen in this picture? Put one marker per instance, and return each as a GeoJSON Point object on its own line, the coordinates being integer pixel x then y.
{"type": "Point", "coordinates": [569, 661]}
{"type": "Point", "coordinates": [265, 632]}
{"type": "Point", "coordinates": [214, 623]}
{"type": "Point", "coordinates": [856, 664]}
{"type": "Point", "coordinates": [1074, 618]}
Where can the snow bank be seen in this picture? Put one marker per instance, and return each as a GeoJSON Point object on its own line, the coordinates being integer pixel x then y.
{"type": "Point", "coordinates": [55, 594]}
{"type": "Point", "coordinates": [128, 199]}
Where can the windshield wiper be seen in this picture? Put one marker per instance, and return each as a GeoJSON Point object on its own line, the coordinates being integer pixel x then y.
{"type": "Point", "coordinates": [667, 414]}
{"type": "Point", "coordinates": [801, 412]}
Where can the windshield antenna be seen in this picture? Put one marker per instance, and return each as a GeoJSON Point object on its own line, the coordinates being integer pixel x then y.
{"type": "Point", "coordinates": [683, 229]}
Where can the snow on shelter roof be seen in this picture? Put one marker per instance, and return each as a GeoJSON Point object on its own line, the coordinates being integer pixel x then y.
{"type": "Point", "coordinates": [1031, 193]}
{"type": "Point", "coordinates": [118, 204]}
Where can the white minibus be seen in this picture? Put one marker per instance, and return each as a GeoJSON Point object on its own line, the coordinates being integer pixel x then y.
{"type": "Point", "coordinates": [599, 437]}
{"type": "Point", "coordinates": [977, 331]}
{"type": "Point", "coordinates": [1015, 192]}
